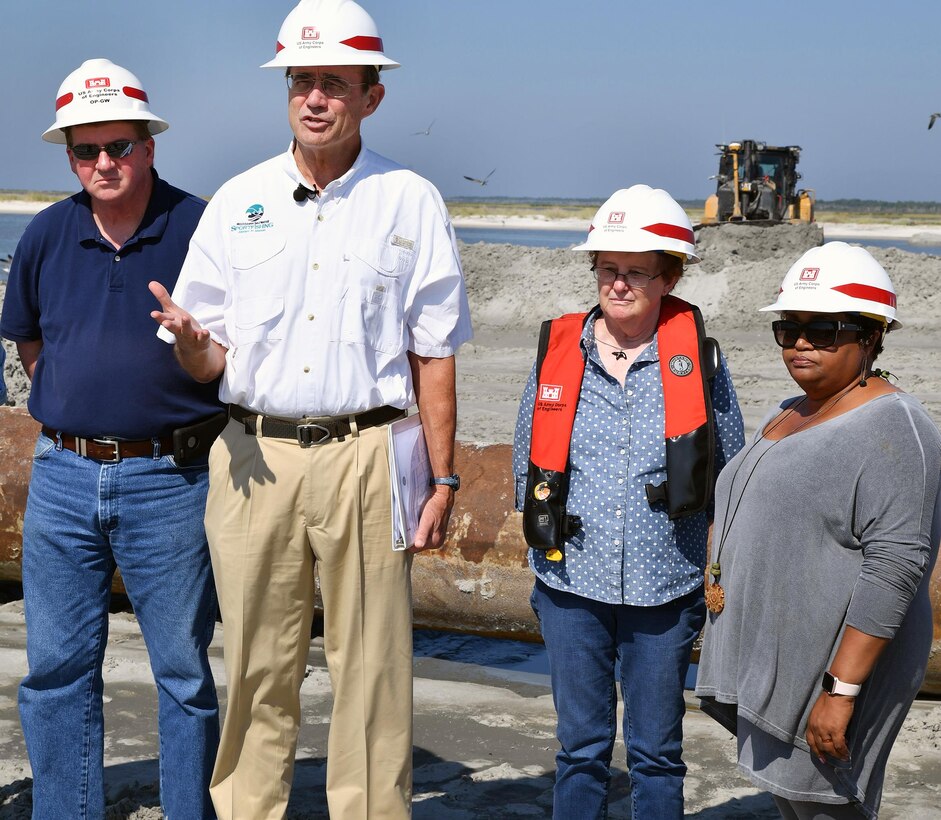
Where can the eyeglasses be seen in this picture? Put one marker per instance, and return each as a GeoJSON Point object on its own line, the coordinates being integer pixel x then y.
{"type": "Point", "coordinates": [334, 87]}
{"type": "Point", "coordinates": [116, 150]}
{"type": "Point", "coordinates": [819, 333]}
{"type": "Point", "coordinates": [607, 276]}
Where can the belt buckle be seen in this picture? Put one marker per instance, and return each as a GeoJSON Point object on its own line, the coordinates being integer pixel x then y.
{"type": "Point", "coordinates": [109, 442]}
{"type": "Point", "coordinates": [305, 430]}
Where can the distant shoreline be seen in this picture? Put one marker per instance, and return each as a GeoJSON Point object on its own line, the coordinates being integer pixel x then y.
{"type": "Point", "coordinates": [831, 230]}
{"type": "Point", "coordinates": [928, 234]}
{"type": "Point", "coordinates": [22, 206]}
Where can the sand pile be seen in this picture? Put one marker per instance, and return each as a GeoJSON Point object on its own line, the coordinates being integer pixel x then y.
{"type": "Point", "coordinates": [512, 289]}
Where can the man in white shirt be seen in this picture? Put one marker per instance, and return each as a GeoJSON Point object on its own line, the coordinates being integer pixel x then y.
{"type": "Point", "coordinates": [324, 286]}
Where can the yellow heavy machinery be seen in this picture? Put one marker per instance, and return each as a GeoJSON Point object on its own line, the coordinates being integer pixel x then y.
{"type": "Point", "coordinates": [758, 183]}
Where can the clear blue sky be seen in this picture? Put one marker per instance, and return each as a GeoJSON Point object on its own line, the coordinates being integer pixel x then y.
{"type": "Point", "coordinates": [563, 99]}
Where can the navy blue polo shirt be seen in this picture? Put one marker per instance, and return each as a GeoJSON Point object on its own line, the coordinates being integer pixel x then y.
{"type": "Point", "coordinates": [102, 370]}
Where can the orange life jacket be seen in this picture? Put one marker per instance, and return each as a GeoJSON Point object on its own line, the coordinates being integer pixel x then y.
{"type": "Point", "coordinates": [688, 362]}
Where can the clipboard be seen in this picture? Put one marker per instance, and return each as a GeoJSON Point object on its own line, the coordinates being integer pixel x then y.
{"type": "Point", "coordinates": [409, 477]}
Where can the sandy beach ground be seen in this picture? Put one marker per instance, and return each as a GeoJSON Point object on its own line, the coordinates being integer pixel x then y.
{"type": "Point", "coordinates": [484, 742]}
{"type": "Point", "coordinates": [484, 737]}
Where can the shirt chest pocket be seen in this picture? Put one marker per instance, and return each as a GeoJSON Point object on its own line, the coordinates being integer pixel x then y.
{"type": "Point", "coordinates": [259, 268]}
{"type": "Point", "coordinates": [259, 319]}
{"type": "Point", "coordinates": [259, 265]}
{"type": "Point", "coordinates": [371, 310]}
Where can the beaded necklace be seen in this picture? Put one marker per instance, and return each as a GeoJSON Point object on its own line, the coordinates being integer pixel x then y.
{"type": "Point", "coordinates": [714, 593]}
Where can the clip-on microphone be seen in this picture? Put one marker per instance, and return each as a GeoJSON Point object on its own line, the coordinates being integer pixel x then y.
{"type": "Point", "coordinates": [302, 192]}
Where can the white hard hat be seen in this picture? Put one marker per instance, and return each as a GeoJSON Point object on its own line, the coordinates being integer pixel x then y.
{"type": "Point", "coordinates": [329, 32]}
{"type": "Point", "coordinates": [641, 218]}
{"type": "Point", "coordinates": [100, 91]}
{"type": "Point", "coordinates": [838, 278]}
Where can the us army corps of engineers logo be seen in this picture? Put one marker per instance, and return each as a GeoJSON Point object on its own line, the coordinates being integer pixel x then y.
{"type": "Point", "coordinates": [255, 221]}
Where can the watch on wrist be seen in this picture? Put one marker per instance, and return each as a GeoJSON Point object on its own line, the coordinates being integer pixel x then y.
{"type": "Point", "coordinates": [453, 481]}
{"type": "Point", "coordinates": [832, 685]}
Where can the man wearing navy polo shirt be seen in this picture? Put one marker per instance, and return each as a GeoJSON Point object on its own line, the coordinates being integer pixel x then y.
{"type": "Point", "coordinates": [120, 471]}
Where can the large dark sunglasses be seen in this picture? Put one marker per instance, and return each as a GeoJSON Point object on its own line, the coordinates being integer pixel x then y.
{"type": "Point", "coordinates": [820, 333]}
{"type": "Point", "coordinates": [116, 150]}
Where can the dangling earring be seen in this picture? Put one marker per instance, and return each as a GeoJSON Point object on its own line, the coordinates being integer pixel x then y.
{"type": "Point", "coordinates": [864, 370]}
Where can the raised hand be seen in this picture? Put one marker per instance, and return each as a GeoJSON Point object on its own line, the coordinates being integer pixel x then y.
{"type": "Point", "coordinates": [199, 355]}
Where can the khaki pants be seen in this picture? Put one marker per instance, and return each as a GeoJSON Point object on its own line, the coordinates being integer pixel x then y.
{"type": "Point", "coordinates": [276, 512]}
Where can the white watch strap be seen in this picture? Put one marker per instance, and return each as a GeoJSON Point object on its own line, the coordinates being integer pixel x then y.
{"type": "Point", "coordinates": [842, 688]}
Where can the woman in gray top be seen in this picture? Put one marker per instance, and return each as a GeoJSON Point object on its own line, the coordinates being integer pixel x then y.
{"type": "Point", "coordinates": [827, 529]}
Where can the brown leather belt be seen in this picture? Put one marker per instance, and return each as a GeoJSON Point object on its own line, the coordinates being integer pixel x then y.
{"type": "Point", "coordinates": [312, 430]}
{"type": "Point", "coordinates": [107, 448]}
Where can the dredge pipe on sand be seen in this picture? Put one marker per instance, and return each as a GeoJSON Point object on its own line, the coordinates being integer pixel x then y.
{"type": "Point", "coordinates": [479, 582]}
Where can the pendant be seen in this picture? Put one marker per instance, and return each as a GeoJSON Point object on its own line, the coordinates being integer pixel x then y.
{"type": "Point", "coordinates": [619, 354]}
{"type": "Point", "coordinates": [715, 598]}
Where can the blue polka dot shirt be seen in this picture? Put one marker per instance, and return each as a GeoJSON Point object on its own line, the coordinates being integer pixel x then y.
{"type": "Point", "coordinates": [626, 552]}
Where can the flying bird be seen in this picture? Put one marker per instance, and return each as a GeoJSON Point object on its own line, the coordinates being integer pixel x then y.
{"type": "Point", "coordinates": [931, 121]}
{"type": "Point", "coordinates": [426, 132]}
{"type": "Point", "coordinates": [479, 181]}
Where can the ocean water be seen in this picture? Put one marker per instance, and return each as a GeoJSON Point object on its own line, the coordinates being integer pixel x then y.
{"type": "Point", "coordinates": [11, 229]}
{"type": "Point", "coordinates": [13, 225]}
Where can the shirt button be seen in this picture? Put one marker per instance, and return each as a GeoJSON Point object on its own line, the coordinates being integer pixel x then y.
{"type": "Point", "coordinates": [117, 258]}
{"type": "Point", "coordinates": [310, 316]}
{"type": "Point", "coordinates": [315, 266]}
{"type": "Point", "coordinates": [307, 370]}
{"type": "Point", "coordinates": [623, 452]}
{"type": "Point", "coordinates": [617, 543]}
{"type": "Point", "coordinates": [620, 481]}
{"type": "Point", "coordinates": [320, 217]}
{"type": "Point", "coordinates": [630, 392]}
{"type": "Point", "coordinates": [617, 513]}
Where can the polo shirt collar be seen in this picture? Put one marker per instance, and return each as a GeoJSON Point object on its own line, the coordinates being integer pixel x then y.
{"type": "Point", "coordinates": [152, 225]}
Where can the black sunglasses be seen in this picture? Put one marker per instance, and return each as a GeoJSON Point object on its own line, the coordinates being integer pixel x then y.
{"type": "Point", "coordinates": [819, 333]}
{"type": "Point", "coordinates": [116, 150]}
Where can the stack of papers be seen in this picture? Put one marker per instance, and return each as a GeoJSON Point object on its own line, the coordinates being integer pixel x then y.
{"type": "Point", "coordinates": [410, 477]}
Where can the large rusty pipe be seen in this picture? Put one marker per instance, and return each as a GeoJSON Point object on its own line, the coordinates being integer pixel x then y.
{"type": "Point", "coordinates": [479, 582]}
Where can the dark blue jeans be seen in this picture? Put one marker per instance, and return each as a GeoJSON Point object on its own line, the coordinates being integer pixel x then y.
{"type": "Point", "coordinates": [585, 639]}
{"type": "Point", "coordinates": [83, 518]}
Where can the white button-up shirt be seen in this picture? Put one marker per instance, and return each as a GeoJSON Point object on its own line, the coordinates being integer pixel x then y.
{"type": "Point", "coordinates": [318, 302]}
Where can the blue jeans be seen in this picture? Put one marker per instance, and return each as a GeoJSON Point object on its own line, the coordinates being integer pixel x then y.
{"type": "Point", "coordinates": [585, 639]}
{"type": "Point", "coordinates": [83, 519]}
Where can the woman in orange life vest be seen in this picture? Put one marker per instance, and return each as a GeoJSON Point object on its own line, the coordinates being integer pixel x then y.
{"type": "Point", "coordinates": [624, 422]}
{"type": "Point", "coordinates": [827, 529]}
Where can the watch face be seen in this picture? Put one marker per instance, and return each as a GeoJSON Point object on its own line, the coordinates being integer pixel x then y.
{"type": "Point", "coordinates": [828, 682]}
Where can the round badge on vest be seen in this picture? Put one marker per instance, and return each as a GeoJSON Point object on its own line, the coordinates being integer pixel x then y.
{"type": "Point", "coordinates": [681, 365]}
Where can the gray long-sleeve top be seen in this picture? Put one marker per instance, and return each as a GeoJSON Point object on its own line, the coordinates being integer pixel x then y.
{"type": "Point", "coordinates": [830, 526]}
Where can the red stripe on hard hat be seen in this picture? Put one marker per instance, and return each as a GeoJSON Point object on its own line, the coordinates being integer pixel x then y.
{"type": "Point", "coordinates": [65, 99]}
{"type": "Point", "coordinates": [363, 43]}
{"type": "Point", "coordinates": [868, 292]}
{"type": "Point", "coordinates": [278, 47]}
{"type": "Point", "coordinates": [672, 232]}
{"type": "Point", "coordinates": [135, 93]}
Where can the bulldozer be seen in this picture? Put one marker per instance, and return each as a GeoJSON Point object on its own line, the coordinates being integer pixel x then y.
{"type": "Point", "coordinates": [758, 183]}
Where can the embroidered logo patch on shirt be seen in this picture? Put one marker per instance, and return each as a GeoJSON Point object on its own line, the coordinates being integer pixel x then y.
{"type": "Point", "coordinates": [402, 242]}
{"type": "Point", "coordinates": [255, 220]}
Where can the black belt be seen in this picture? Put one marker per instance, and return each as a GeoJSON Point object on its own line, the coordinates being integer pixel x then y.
{"type": "Point", "coordinates": [312, 430]}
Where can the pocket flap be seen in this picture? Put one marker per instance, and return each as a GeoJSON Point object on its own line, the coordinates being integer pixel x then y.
{"type": "Point", "coordinates": [381, 256]}
{"type": "Point", "coordinates": [252, 250]}
{"type": "Point", "coordinates": [257, 311]}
